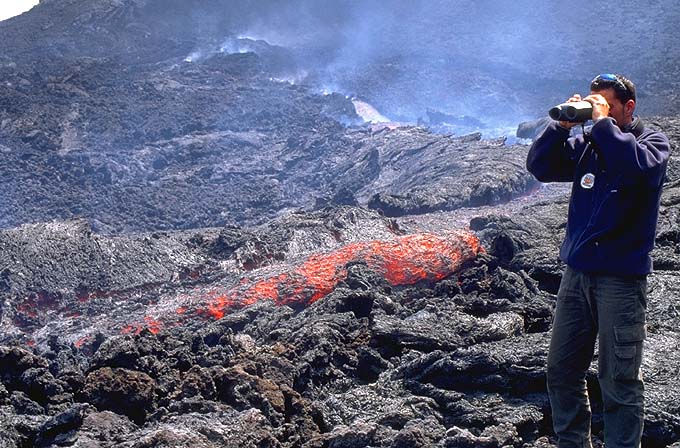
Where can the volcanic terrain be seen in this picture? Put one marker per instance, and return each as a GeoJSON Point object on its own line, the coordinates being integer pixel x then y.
{"type": "Point", "coordinates": [203, 244]}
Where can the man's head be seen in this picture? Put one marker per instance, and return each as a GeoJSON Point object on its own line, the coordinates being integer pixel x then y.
{"type": "Point", "coordinates": [619, 92]}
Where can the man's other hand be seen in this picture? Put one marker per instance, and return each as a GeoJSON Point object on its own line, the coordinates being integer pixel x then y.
{"type": "Point", "coordinates": [600, 105]}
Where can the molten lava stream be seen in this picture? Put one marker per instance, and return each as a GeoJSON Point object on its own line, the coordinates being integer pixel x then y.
{"type": "Point", "coordinates": [403, 261]}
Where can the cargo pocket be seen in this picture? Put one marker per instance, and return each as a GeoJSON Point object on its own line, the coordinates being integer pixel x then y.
{"type": "Point", "coordinates": [628, 351]}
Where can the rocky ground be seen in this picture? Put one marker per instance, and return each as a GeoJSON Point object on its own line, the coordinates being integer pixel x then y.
{"type": "Point", "coordinates": [226, 150]}
{"type": "Point", "coordinates": [453, 362]}
{"type": "Point", "coordinates": [197, 250]}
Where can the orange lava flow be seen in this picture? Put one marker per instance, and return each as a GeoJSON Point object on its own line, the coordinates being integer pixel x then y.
{"type": "Point", "coordinates": [80, 342]}
{"type": "Point", "coordinates": [404, 261]}
{"type": "Point", "coordinates": [151, 324]}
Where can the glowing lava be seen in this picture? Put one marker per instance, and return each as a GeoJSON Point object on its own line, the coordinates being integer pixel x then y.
{"type": "Point", "coordinates": [404, 261]}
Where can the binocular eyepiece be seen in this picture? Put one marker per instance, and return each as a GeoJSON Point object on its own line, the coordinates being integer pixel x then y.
{"type": "Point", "coordinates": [575, 112]}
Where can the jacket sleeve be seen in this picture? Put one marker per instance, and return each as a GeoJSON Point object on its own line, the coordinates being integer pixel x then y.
{"type": "Point", "coordinates": [643, 159]}
{"type": "Point", "coordinates": [551, 156]}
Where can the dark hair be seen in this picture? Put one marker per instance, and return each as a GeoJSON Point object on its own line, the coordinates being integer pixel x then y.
{"type": "Point", "coordinates": [624, 89]}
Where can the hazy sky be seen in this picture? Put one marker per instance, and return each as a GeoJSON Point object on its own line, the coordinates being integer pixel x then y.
{"type": "Point", "coordinates": [11, 8]}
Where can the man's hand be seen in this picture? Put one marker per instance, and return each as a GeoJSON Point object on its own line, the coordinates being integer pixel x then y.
{"type": "Point", "coordinates": [570, 124]}
{"type": "Point", "coordinates": [600, 106]}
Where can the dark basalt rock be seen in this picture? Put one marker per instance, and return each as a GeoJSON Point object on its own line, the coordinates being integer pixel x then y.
{"type": "Point", "coordinates": [455, 362]}
{"type": "Point", "coordinates": [126, 392]}
{"type": "Point", "coordinates": [101, 339]}
{"type": "Point", "coordinates": [61, 429]}
{"type": "Point", "coordinates": [20, 369]}
{"type": "Point", "coordinates": [24, 405]}
{"type": "Point", "coordinates": [473, 175]}
{"type": "Point", "coordinates": [160, 145]}
{"type": "Point", "coordinates": [532, 129]}
{"type": "Point", "coordinates": [371, 363]}
{"type": "Point", "coordinates": [338, 373]}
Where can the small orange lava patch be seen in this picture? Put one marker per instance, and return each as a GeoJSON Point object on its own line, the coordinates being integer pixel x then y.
{"type": "Point", "coordinates": [153, 325]}
{"type": "Point", "coordinates": [82, 341]}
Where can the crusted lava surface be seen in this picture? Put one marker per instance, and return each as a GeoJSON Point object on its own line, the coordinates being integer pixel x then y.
{"type": "Point", "coordinates": [339, 327]}
{"type": "Point", "coordinates": [151, 140]}
{"type": "Point", "coordinates": [197, 252]}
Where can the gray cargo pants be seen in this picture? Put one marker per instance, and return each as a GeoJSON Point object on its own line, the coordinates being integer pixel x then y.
{"type": "Point", "coordinates": [611, 308]}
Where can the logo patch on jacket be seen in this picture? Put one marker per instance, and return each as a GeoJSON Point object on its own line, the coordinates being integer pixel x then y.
{"type": "Point", "coordinates": [588, 181]}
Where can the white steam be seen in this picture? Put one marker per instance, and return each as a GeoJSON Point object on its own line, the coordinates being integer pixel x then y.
{"type": "Point", "coordinates": [369, 113]}
{"type": "Point", "coordinates": [230, 45]}
{"type": "Point", "coordinates": [238, 45]}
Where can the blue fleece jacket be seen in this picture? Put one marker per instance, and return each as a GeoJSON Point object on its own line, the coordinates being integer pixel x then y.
{"type": "Point", "coordinates": [617, 179]}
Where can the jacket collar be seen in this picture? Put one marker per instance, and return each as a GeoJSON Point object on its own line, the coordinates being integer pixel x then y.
{"type": "Point", "coordinates": [636, 127]}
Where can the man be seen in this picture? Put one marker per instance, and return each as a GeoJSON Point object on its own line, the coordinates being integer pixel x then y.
{"type": "Point", "coordinates": [617, 170]}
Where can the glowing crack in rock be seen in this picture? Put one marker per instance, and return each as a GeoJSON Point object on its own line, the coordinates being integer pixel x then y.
{"type": "Point", "coordinates": [405, 260]}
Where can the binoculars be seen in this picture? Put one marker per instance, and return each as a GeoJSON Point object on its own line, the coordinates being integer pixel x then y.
{"type": "Point", "coordinates": [575, 112]}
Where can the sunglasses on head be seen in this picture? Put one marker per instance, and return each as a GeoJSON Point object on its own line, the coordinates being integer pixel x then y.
{"type": "Point", "coordinates": [609, 80]}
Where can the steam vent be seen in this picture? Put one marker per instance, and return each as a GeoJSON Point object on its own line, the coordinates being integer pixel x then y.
{"type": "Point", "coordinates": [304, 224]}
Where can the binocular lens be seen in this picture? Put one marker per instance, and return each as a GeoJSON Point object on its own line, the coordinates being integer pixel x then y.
{"type": "Point", "coordinates": [576, 112]}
